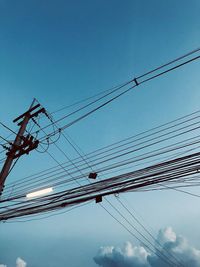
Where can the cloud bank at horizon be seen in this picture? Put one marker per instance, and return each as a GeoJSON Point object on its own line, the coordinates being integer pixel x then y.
{"type": "Point", "coordinates": [138, 256]}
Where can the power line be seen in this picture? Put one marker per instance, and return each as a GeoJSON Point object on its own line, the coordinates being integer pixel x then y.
{"type": "Point", "coordinates": [4, 139]}
{"type": "Point", "coordinates": [91, 169]}
{"type": "Point", "coordinates": [167, 261]}
{"type": "Point", "coordinates": [47, 216]}
{"type": "Point", "coordinates": [148, 153]}
{"type": "Point", "coordinates": [137, 83]}
{"type": "Point", "coordinates": [170, 62]}
{"type": "Point", "coordinates": [87, 98]}
{"type": "Point", "coordinates": [187, 169]}
{"type": "Point", "coordinates": [175, 169]}
{"type": "Point", "coordinates": [138, 77]}
{"type": "Point", "coordinates": [136, 149]}
{"type": "Point", "coordinates": [156, 242]}
{"type": "Point", "coordinates": [6, 127]}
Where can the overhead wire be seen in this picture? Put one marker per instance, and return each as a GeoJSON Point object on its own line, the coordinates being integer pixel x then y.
{"type": "Point", "coordinates": [137, 83]}
{"type": "Point", "coordinates": [135, 137]}
{"type": "Point", "coordinates": [138, 77]}
{"type": "Point", "coordinates": [92, 170]}
{"type": "Point", "coordinates": [8, 128]}
{"type": "Point", "coordinates": [164, 172]}
{"type": "Point", "coordinates": [156, 242]}
{"type": "Point", "coordinates": [163, 259]}
{"type": "Point", "coordinates": [110, 100]}
{"type": "Point", "coordinates": [117, 210]}
{"type": "Point", "coordinates": [109, 168]}
{"type": "Point", "coordinates": [195, 142]}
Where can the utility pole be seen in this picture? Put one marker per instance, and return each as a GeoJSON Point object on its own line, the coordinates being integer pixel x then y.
{"type": "Point", "coordinates": [22, 144]}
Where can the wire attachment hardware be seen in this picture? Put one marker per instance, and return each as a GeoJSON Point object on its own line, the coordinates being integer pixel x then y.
{"type": "Point", "coordinates": [136, 82]}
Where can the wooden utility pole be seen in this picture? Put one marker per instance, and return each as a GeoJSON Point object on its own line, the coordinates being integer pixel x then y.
{"type": "Point", "coordinates": [22, 144]}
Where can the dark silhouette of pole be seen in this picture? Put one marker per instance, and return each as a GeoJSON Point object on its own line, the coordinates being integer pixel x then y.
{"type": "Point", "coordinates": [15, 146]}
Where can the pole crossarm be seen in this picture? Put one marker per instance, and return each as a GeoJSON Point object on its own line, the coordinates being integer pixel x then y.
{"type": "Point", "coordinates": [22, 144]}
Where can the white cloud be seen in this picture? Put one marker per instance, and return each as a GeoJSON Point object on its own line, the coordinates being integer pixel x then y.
{"type": "Point", "coordinates": [20, 263]}
{"type": "Point", "coordinates": [126, 256]}
{"type": "Point", "coordinates": [138, 256]}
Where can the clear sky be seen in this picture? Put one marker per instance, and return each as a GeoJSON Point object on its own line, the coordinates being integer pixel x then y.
{"type": "Point", "coordinates": [63, 51]}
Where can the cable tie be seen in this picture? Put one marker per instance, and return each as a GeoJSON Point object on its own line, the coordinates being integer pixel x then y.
{"type": "Point", "coordinates": [136, 82]}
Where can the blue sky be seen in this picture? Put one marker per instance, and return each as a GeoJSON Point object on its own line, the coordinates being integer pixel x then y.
{"type": "Point", "coordinates": [63, 51]}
